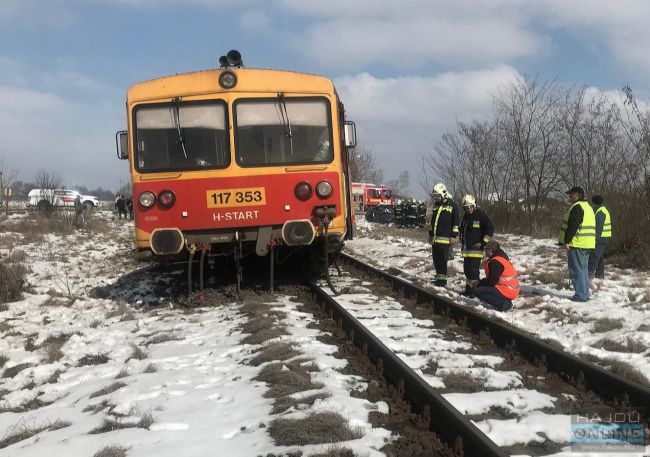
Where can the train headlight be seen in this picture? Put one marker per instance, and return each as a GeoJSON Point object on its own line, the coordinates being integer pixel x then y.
{"type": "Point", "coordinates": [147, 199]}
{"type": "Point", "coordinates": [303, 191]}
{"type": "Point", "coordinates": [166, 199]}
{"type": "Point", "coordinates": [324, 189]}
{"type": "Point", "coordinates": [227, 80]}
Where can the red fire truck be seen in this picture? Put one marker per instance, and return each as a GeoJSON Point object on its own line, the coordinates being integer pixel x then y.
{"type": "Point", "coordinates": [366, 195]}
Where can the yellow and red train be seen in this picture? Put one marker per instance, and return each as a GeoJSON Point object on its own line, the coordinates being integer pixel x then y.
{"type": "Point", "coordinates": [238, 161]}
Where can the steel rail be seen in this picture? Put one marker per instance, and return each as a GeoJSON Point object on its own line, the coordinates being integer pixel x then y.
{"type": "Point", "coordinates": [443, 418]}
{"type": "Point", "coordinates": [606, 384]}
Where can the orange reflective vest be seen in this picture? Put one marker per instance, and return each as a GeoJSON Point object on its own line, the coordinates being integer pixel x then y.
{"type": "Point", "coordinates": [508, 283]}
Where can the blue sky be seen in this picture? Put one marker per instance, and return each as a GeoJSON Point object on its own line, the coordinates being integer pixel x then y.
{"type": "Point", "coordinates": [405, 70]}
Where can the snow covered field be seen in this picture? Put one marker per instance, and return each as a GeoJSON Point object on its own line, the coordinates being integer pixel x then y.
{"type": "Point", "coordinates": [613, 326]}
{"type": "Point", "coordinates": [89, 369]}
{"type": "Point", "coordinates": [97, 359]}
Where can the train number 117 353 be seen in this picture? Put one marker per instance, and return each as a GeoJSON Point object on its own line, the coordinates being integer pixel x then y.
{"type": "Point", "coordinates": [225, 198]}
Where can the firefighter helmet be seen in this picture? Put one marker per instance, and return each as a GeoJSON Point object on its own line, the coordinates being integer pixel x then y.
{"type": "Point", "coordinates": [440, 189]}
{"type": "Point", "coordinates": [469, 200]}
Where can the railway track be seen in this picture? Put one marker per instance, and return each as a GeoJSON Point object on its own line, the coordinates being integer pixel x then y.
{"type": "Point", "coordinates": [598, 389]}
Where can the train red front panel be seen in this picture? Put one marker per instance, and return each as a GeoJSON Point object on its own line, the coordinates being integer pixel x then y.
{"type": "Point", "coordinates": [234, 202]}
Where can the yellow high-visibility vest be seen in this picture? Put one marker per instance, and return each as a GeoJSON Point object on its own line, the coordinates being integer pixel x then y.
{"type": "Point", "coordinates": [607, 227]}
{"type": "Point", "coordinates": [585, 237]}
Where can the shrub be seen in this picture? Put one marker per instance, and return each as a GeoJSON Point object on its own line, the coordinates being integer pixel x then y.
{"type": "Point", "coordinates": [12, 282]}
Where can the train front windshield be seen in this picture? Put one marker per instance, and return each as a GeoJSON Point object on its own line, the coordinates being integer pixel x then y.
{"type": "Point", "coordinates": [181, 136]}
{"type": "Point", "coordinates": [282, 131]}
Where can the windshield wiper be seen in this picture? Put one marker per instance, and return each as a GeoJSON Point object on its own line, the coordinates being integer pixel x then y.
{"type": "Point", "coordinates": [176, 115]}
{"type": "Point", "coordinates": [284, 116]}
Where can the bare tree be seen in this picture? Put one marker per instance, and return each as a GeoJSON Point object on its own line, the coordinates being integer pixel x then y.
{"type": "Point", "coordinates": [527, 112]}
{"type": "Point", "coordinates": [400, 186]}
{"type": "Point", "coordinates": [363, 166]}
{"type": "Point", "coordinates": [48, 182]}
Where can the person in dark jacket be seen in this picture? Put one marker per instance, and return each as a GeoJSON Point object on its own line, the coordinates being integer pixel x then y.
{"type": "Point", "coordinates": [476, 229]}
{"type": "Point", "coordinates": [120, 204]}
{"type": "Point", "coordinates": [578, 238]}
{"type": "Point", "coordinates": [443, 231]}
{"type": "Point", "coordinates": [500, 285]}
{"type": "Point", "coordinates": [603, 235]}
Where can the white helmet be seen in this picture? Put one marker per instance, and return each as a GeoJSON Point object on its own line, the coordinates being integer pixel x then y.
{"type": "Point", "coordinates": [469, 200]}
{"type": "Point", "coordinates": [440, 189]}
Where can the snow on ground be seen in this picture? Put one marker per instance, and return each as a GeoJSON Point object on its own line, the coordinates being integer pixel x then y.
{"type": "Point", "coordinates": [430, 352]}
{"type": "Point", "coordinates": [79, 360]}
{"type": "Point", "coordinates": [94, 372]}
{"type": "Point", "coordinates": [614, 324]}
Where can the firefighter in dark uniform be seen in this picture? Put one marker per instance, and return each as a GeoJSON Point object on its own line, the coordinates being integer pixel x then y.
{"type": "Point", "coordinates": [412, 213]}
{"type": "Point", "coordinates": [476, 229]}
{"type": "Point", "coordinates": [398, 220]}
{"type": "Point", "coordinates": [422, 214]}
{"type": "Point", "coordinates": [443, 230]}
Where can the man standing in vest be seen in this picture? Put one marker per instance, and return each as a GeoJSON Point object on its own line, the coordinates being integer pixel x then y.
{"type": "Point", "coordinates": [603, 235]}
{"type": "Point", "coordinates": [443, 230]}
{"type": "Point", "coordinates": [578, 238]}
{"type": "Point", "coordinates": [476, 229]}
{"type": "Point", "coordinates": [500, 285]}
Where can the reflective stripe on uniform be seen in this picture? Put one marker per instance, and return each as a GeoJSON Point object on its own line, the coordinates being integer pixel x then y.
{"type": "Point", "coordinates": [585, 236]}
{"type": "Point", "coordinates": [437, 239]}
{"type": "Point", "coordinates": [607, 226]}
{"type": "Point", "coordinates": [472, 254]}
{"type": "Point", "coordinates": [508, 284]}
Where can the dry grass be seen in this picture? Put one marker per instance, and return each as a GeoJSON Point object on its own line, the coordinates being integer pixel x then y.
{"type": "Point", "coordinates": [282, 404]}
{"type": "Point", "coordinates": [97, 407]}
{"type": "Point", "coordinates": [317, 428]}
{"type": "Point", "coordinates": [162, 338]}
{"type": "Point", "coordinates": [274, 351]}
{"type": "Point", "coordinates": [558, 278]}
{"type": "Point", "coordinates": [107, 390]}
{"type": "Point", "coordinates": [644, 328]}
{"type": "Point", "coordinates": [626, 370]}
{"type": "Point", "coordinates": [606, 324]}
{"type": "Point", "coordinates": [461, 381]}
{"type": "Point", "coordinates": [28, 405]}
{"type": "Point", "coordinates": [22, 431]}
{"type": "Point", "coordinates": [3, 359]}
{"type": "Point", "coordinates": [51, 347]}
{"type": "Point", "coordinates": [111, 451]}
{"type": "Point", "coordinates": [286, 379]}
{"type": "Point", "coordinates": [628, 345]}
{"type": "Point", "coordinates": [336, 451]}
{"type": "Point", "coordinates": [117, 422]}
{"type": "Point", "coordinates": [264, 335]}
{"type": "Point", "coordinates": [12, 282]}
{"type": "Point", "coordinates": [137, 353]}
{"type": "Point", "coordinates": [13, 371]}
{"type": "Point", "coordinates": [92, 359]}
{"type": "Point", "coordinates": [122, 374]}
{"type": "Point", "coordinates": [151, 368]}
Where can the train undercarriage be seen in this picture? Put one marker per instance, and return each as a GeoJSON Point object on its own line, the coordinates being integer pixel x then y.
{"type": "Point", "coordinates": [297, 247]}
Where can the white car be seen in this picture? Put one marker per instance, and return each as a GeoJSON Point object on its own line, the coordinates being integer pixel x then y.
{"type": "Point", "coordinates": [45, 198]}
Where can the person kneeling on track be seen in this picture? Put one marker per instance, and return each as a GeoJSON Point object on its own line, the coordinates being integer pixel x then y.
{"type": "Point", "coordinates": [500, 285]}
